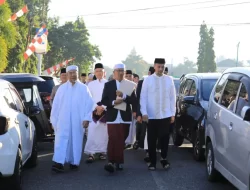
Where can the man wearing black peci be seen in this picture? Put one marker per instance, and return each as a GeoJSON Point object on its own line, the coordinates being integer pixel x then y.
{"type": "Point", "coordinates": [157, 101]}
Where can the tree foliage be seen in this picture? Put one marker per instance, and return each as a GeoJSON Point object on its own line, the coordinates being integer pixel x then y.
{"type": "Point", "coordinates": [8, 35]}
{"type": "Point", "coordinates": [206, 57]}
{"type": "Point", "coordinates": [136, 63]}
{"type": "Point", "coordinates": [185, 68]}
{"type": "Point", "coordinates": [70, 40]}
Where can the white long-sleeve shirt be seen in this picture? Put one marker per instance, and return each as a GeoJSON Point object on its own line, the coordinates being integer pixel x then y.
{"type": "Point", "coordinates": [158, 97]}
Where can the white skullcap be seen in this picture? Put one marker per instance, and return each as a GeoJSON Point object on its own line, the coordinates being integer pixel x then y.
{"type": "Point", "coordinates": [91, 75]}
{"type": "Point", "coordinates": [72, 68]}
{"type": "Point", "coordinates": [119, 66]}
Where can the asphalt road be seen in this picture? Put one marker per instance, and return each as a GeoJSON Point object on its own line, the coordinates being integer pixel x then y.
{"type": "Point", "coordinates": [185, 173]}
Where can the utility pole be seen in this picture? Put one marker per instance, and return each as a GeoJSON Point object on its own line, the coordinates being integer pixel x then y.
{"type": "Point", "coordinates": [237, 60]}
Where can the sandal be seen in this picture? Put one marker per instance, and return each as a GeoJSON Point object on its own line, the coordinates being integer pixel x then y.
{"type": "Point", "coordinates": [136, 145]}
{"type": "Point", "coordinates": [90, 159]}
{"type": "Point", "coordinates": [165, 164]}
{"type": "Point", "coordinates": [102, 157]}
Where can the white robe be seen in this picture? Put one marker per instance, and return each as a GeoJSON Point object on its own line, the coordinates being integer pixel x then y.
{"type": "Point", "coordinates": [71, 106]}
{"type": "Point", "coordinates": [97, 141]}
{"type": "Point", "coordinates": [132, 133]}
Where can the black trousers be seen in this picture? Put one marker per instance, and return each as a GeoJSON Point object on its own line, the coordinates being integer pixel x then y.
{"type": "Point", "coordinates": [141, 133]}
{"type": "Point", "coordinates": [158, 129]}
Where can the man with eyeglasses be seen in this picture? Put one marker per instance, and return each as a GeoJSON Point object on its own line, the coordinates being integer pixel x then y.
{"type": "Point", "coordinates": [118, 121]}
{"type": "Point", "coordinates": [157, 101]}
{"type": "Point", "coordinates": [70, 115]}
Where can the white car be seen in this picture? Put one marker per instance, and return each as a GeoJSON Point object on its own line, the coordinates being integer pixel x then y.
{"type": "Point", "coordinates": [17, 137]}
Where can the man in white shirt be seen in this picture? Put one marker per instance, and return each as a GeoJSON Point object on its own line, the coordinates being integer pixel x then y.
{"type": "Point", "coordinates": [97, 141]}
{"type": "Point", "coordinates": [157, 101]}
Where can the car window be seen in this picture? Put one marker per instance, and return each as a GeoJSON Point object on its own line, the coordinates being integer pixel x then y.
{"type": "Point", "coordinates": [219, 87]}
{"type": "Point", "coordinates": [177, 85]}
{"type": "Point", "coordinates": [242, 100]}
{"type": "Point", "coordinates": [9, 99]}
{"type": "Point", "coordinates": [193, 90]}
{"type": "Point", "coordinates": [25, 94]}
{"type": "Point", "coordinates": [182, 85]}
{"type": "Point", "coordinates": [17, 100]}
{"type": "Point", "coordinates": [229, 94]}
{"type": "Point", "coordinates": [186, 89]}
{"type": "Point", "coordinates": [207, 86]}
{"type": "Point", "coordinates": [46, 86]}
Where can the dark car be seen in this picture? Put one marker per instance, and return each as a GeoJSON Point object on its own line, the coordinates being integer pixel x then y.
{"type": "Point", "coordinates": [45, 89]}
{"type": "Point", "coordinates": [191, 108]}
{"type": "Point", "coordinates": [177, 85]}
{"type": "Point", "coordinates": [26, 85]}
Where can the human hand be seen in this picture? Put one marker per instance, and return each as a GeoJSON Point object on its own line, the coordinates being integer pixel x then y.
{"type": "Point", "coordinates": [145, 118]}
{"type": "Point", "coordinates": [118, 101]}
{"type": "Point", "coordinates": [85, 124]}
{"type": "Point", "coordinates": [139, 119]}
{"type": "Point", "coordinates": [119, 93]}
{"type": "Point", "coordinates": [172, 119]}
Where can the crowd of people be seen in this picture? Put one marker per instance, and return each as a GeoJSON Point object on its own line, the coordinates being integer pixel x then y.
{"type": "Point", "coordinates": [119, 113]}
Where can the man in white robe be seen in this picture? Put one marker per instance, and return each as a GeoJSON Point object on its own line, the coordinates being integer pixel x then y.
{"type": "Point", "coordinates": [71, 113]}
{"type": "Point", "coordinates": [97, 141]}
{"type": "Point", "coordinates": [158, 107]}
{"type": "Point", "coordinates": [132, 129]}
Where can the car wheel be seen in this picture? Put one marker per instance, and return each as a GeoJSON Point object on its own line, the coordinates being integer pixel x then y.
{"type": "Point", "coordinates": [177, 137]}
{"type": "Point", "coordinates": [212, 173]}
{"type": "Point", "coordinates": [15, 181]}
{"type": "Point", "coordinates": [32, 161]}
{"type": "Point", "coordinates": [198, 150]}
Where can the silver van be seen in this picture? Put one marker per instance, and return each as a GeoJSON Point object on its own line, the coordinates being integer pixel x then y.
{"type": "Point", "coordinates": [228, 128]}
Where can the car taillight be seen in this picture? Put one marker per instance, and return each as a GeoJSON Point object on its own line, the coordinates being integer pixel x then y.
{"type": "Point", "coordinates": [4, 125]}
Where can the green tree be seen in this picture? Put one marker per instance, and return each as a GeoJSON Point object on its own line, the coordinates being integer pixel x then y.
{"type": "Point", "coordinates": [206, 57]}
{"type": "Point", "coordinates": [8, 35]}
{"type": "Point", "coordinates": [185, 68]}
{"type": "Point", "coordinates": [68, 41]}
{"type": "Point", "coordinates": [136, 63]}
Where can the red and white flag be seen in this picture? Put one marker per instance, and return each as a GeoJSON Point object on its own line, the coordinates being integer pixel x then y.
{"type": "Point", "coordinates": [19, 13]}
{"type": "Point", "coordinates": [35, 42]}
{"type": "Point", "coordinates": [2, 2]}
{"type": "Point", "coordinates": [53, 69]}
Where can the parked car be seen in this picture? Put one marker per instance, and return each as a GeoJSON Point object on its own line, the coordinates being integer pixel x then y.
{"type": "Point", "coordinates": [228, 128]}
{"type": "Point", "coordinates": [177, 85]}
{"type": "Point", "coordinates": [26, 85]}
{"type": "Point", "coordinates": [45, 89]}
{"type": "Point", "coordinates": [191, 104]}
{"type": "Point", "coordinates": [18, 145]}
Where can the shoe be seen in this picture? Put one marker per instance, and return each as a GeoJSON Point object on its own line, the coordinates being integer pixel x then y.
{"type": "Point", "coordinates": [146, 159]}
{"type": "Point", "coordinates": [151, 167]}
{"type": "Point", "coordinates": [73, 167]}
{"type": "Point", "coordinates": [128, 146]}
{"type": "Point", "coordinates": [57, 167]}
{"type": "Point", "coordinates": [119, 167]}
{"type": "Point", "coordinates": [109, 168]}
{"type": "Point", "coordinates": [165, 164]}
{"type": "Point", "coordinates": [136, 145]}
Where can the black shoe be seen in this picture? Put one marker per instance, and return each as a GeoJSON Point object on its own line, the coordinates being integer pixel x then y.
{"type": "Point", "coordinates": [146, 159]}
{"type": "Point", "coordinates": [119, 167]}
{"type": "Point", "coordinates": [59, 168]}
{"type": "Point", "coordinates": [109, 167]}
{"type": "Point", "coordinates": [73, 167]}
{"type": "Point", "coordinates": [136, 145]}
{"type": "Point", "coordinates": [165, 164]}
{"type": "Point", "coordinates": [151, 167]}
{"type": "Point", "coordinates": [128, 146]}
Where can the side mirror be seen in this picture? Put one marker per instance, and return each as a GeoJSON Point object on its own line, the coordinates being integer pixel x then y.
{"type": "Point", "coordinates": [245, 113]}
{"type": "Point", "coordinates": [34, 110]}
{"type": "Point", "coordinates": [189, 100]}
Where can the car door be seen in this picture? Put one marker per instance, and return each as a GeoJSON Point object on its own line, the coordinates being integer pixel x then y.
{"type": "Point", "coordinates": [239, 135]}
{"type": "Point", "coordinates": [185, 107]}
{"type": "Point", "coordinates": [226, 119]}
{"type": "Point", "coordinates": [19, 120]}
{"type": "Point", "coordinates": [214, 116]}
{"type": "Point", "coordinates": [23, 118]}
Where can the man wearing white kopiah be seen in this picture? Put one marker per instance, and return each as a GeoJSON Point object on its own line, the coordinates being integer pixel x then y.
{"type": "Point", "coordinates": [71, 113]}
{"type": "Point", "coordinates": [97, 131]}
{"type": "Point", "coordinates": [157, 101]}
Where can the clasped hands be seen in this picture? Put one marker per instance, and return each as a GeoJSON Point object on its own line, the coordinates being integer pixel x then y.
{"type": "Point", "coordinates": [99, 110]}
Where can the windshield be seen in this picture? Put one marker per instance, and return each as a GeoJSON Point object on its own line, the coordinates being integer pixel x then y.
{"type": "Point", "coordinates": [46, 86]}
{"type": "Point", "coordinates": [207, 87]}
{"type": "Point", "coordinates": [177, 85]}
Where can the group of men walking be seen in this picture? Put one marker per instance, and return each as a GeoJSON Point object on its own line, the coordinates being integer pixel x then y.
{"type": "Point", "coordinates": [118, 114]}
